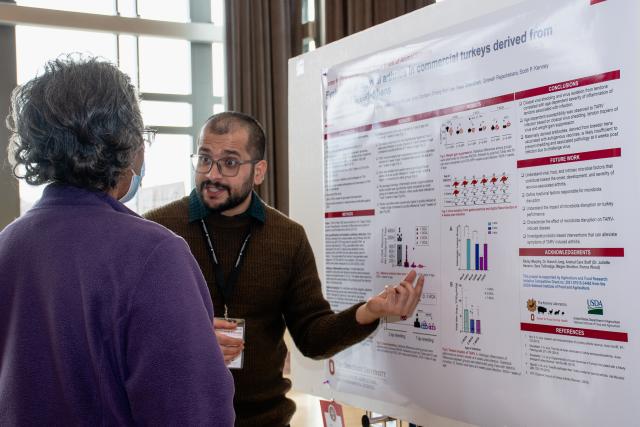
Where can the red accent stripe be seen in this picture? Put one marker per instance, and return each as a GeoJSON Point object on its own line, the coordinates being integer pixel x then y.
{"type": "Point", "coordinates": [363, 128]}
{"type": "Point", "coordinates": [424, 116]}
{"type": "Point", "coordinates": [575, 332]}
{"type": "Point", "coordinates": [478, 104]}
{"type": "Point", "coordinates": [349, 214]}
{"type": "Point", "coordinates": [577, 252]}
{"type": "Point", "coordinates": [570, 158]}
{"type": "Point", "coordinates": [569, 84]}
{"type": "Point", "coordinates": [596, 1]}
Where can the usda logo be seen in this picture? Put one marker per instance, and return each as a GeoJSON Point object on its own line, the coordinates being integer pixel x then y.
{"type": "Point", "coordinates": [594, 306]}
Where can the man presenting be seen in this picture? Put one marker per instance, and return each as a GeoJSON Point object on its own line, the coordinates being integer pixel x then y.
{"type": "Point", "coordinates": [261, 272]}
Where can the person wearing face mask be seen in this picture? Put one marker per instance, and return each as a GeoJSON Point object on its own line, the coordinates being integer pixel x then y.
{"type": "Point", "coordinates": [136, 182]}
{"type": "Point", "coordinates": [105, 317]}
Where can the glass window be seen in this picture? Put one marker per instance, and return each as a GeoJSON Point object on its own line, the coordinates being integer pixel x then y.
{"type": "Point", "coordinates": [217, 12]}
{"type": "Point", "coordinates": [165, 65]}
{"type": "Point", "coordinates": [160, 113]}
{"type": "Point", "coordinates": [174, 10]}
{"type": "Point", "coordinates": [128, 56]}
{"type": "Point", "coordinates": [127, 8]}
{"type": "Point", "coordinates": [308, 44]}
{"type": "Point", "coordinates": [308, 11]}
{"type": "Point", "coordinates": [217, 53]}
{"type": "Point", "coordinates": [167, 172]}
{"type": "Point", "coordinates": [102, 7]}
{"type": "Point", "coordinates": [155, 65]}
{"type": "Point", "coordinates": [32, 53]}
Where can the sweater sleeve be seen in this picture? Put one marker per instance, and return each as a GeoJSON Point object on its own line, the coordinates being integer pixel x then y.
{"type": "Point", "coordinates": [317, 331]}
{"type": "Point", "coordinates": [175, 373]}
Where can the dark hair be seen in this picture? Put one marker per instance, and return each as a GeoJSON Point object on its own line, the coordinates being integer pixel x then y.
{"type": "Point", "coordinates": [78, 123]}
{"type": "Point", "coordinates": [223, 123]}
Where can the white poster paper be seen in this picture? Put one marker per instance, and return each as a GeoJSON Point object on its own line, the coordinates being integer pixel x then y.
{"type": "Point", "coordinates": [500, 160]}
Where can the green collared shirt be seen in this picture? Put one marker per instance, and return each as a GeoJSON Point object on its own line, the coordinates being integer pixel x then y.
{"type": "Point", "coordinates": [198, 211]}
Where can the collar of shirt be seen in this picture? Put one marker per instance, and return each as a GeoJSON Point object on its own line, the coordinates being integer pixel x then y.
{"type": "Point", "coordinates": [198, 211]}
{"type": "Point", "coordinates": [62, 194]}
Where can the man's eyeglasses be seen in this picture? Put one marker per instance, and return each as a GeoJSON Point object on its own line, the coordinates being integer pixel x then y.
{"type": "Point", "coordinates": [227, 166]}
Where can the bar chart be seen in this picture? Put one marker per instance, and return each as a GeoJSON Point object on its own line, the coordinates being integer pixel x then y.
{"type": "Point", "coordinates": [472, 251]}
{"type": "Point", "coordinates": [468, 319]}
{"type": "Point", "coordinates": [404, 246]}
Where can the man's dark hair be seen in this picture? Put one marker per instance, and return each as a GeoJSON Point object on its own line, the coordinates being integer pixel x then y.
{"type": "Point", "coordinates": [224, 123]}
{"type": "Point", "coordinates": [78, 123]}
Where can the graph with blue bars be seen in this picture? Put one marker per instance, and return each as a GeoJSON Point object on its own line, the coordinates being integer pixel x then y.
{"type": "Point", "coordinates": [467, 313]}
{"type": "Point", "coordinates": [472, 248]}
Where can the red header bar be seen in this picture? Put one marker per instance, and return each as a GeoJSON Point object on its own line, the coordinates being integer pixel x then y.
{"type": "Point", "coordinates": [349, 214]}
{"type": "Point", "coordinates": [569, 84]}
{"type": "Point", "coordinates": [424, 116]}
{"type": "Point", "coordinates": [363, 128]}
{"type": "Point", "coordinates": [575, 332]}
{"type": "Point", "coordinates": [577, 252]}
{"type": "Point", "coordinates": [570, 158]}
{"type": "Point", "coordinates": [473, 105]}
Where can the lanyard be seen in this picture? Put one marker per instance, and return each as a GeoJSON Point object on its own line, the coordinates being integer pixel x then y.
{"type": "Point", "coordinates": [225, 287]}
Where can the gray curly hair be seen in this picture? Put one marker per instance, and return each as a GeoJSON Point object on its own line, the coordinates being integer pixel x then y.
{"type": "Point", "coordinates": [78, 123]}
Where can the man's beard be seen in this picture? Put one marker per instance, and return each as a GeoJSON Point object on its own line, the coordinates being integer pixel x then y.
{"type": "Point", "coordinates": [235, 197]}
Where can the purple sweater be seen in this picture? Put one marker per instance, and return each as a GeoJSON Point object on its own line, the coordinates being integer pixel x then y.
{"type": "Point", "coordinates": [105, 319]}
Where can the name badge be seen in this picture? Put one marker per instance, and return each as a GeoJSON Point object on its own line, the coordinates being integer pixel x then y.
{"type": "Point", "coordinates": [238, 332]}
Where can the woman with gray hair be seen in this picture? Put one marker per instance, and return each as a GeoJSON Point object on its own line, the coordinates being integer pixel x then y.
{"type": "Point", "coordinates": [105, 318]}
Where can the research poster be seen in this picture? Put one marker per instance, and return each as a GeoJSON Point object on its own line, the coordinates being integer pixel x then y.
{"type": "Point", "coordinates": [500, 159]}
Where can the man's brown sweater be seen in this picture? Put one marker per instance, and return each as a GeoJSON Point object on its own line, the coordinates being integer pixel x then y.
{"type": "Point", "coordinates": [278, 286]}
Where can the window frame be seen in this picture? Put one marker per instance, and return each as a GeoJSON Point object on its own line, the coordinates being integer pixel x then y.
{"type": "Point", "coordinates": [201, 33]}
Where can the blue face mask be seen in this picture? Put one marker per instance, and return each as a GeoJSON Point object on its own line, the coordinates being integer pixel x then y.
{"type": "Point", "coordinates": [136, 180]}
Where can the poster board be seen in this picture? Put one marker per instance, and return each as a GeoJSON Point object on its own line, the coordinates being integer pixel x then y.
{"type": "Point", "coordinates": [454, 219]}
